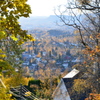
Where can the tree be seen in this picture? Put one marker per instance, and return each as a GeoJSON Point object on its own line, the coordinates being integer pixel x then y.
{"type": "Point", "coordinates": [87, 27]}
{"type": "Point", "coordinates": [93, 96]}
{"type": "Point", "coordinates": [16, 80]}
{"type": "Point", "coordinates": [11, 34]}
{"type": "Point", "coordinates": [49, 81]}
{"type": "Point", "coordinates": [10, 12]}
{"type": "Point", "coordinates": [4, 95]}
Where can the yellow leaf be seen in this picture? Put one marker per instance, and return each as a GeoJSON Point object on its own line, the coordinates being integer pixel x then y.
{"type": "Point", "coordinates": [2, 34]}
{"type": "Point", "coordinates": [2, 54]}
{"type": "Point", "coordinates": [0, 75]}
{"type": "Point", "coordinates": [27, 93]}
{"type": "Point", "coordinates": [14, 38]}
{"type": "Point", "coordinates": [20, 42]}
{"type": "Point", "coordinates": [32, 39]}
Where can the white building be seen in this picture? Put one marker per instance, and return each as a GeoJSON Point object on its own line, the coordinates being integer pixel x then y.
{"type": "Point", "coordinates": [62, 90]}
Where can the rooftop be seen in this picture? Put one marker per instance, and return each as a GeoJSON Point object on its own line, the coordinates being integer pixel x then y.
{"type": "Point", "coordinates": [72, 73]}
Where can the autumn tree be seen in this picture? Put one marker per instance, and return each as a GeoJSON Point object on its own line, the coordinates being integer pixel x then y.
{"type": "Point", "coordinates": [4, 95]}
{"type": "Point", "coordinates": [11, 35]}
{"type": "Point", "coordinates": [93, 96]}
{"type": "Point", "coordinates": [85, 18]}
{"type": "Point", "coordinates": [49, 79]}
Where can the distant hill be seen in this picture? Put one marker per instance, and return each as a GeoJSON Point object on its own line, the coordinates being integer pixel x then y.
{"type": "Point", "coordinates": [48, 23]}
{"type": "Point", "coordinates": [54, 32]}
{"type": "Point", "coordinates": [42, 23]}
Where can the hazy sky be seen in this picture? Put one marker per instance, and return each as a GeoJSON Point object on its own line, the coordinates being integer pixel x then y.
{"type": "Point", "coordinates": [44, 7]}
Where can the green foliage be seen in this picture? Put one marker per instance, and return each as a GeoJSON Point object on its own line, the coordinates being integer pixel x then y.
{"type": "Point", "coordinates": [4, 95]}
{"type": "Point", "coordinates": [11, 11]}
{"type": "Point", "coordinates": [6, 68]}
{"type": "Point", "coordinates": [11, 34]}
{"type": "Point", "coordinates": [16, 80]}
{"type": "Point", "coordinates": [43, 89]}
{"type": "Point", "coordinates": [11, 38]}
{"type": "Point", "coordinates": [36, 82]}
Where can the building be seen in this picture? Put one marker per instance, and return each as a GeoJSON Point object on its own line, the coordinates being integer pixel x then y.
{"type": "Point", "coordinates": [64, 90]}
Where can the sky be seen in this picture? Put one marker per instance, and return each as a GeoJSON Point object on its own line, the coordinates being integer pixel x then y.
{"type": "Point", "coordinates": [44, 7]}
